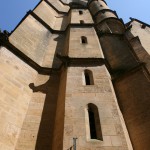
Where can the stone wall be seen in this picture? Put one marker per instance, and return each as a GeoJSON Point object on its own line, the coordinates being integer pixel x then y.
{"type": "Point", "coordinates": [47, 13]}
{"type": "Point", "coordinates": [38, 125]}
{"type": "Point", "coordinates": [15, 77]}
{"type": "Point", "coordinates": [77, 49]}
{"type": "Point", "coordinates": [37, 42]}
{"type": "Point", "coordinates": [55, 20]}
{"type": "Point", "coordinates": [59, 6]}
{"type": "Point", "coordinates": [133, 97]}
{"type": "Point", "coordinates": [45, 112]}
{"type": "Point", "coordinates": [118, 53]}
{"type": "Point", "coordinates": [78, 96]}
{"type": "Point", "coordinates": [139, 40]}
{"type": "Point", "coordinates": [60, 112]}
{"type": "Point", "coordinates": [86, 16]}
{"type": "Point", "coordinates": [143, 34]}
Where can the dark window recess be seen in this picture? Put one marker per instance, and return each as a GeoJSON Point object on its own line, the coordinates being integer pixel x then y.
{"type": "Point", "coordinates": [92, 125]}
{"type": "Point", "coordinates": [87, 79]}
{"type": "Point", "coordinates": [80, 12]}
{"type": "Point", "coordinates": [143, 26]}
{"type": "Point", "coordinates": [94, 122]}
{"type": "Point", "coordinates": [84, 40]}
{"type": "Point", "coordinates": [81, 22]}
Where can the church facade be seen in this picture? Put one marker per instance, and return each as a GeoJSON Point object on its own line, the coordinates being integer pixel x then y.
{"type": "Point", "coordinates": [73, 76]}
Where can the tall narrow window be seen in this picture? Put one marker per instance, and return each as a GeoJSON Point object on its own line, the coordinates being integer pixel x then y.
{"type": "Point", "coordinates": [80, 12]}
{"type": "Point", "coordinates": [88, 77]}
{"type": "Point", "coordinates": [94, 122]}
{"type": "Point", "coordinates": [83, 40]}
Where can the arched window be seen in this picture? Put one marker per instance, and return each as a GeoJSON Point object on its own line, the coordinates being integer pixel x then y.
{"type": "Point", "coordinates": [80, 12]}
{"type": "Point", "coordinates": [88, 77]}
{"type": "Point", "coordinates": [81, 22]}
{"type": "Point", "coordinates": [94, 122]}
{"type": "Point", "coordinates": [83, 40]}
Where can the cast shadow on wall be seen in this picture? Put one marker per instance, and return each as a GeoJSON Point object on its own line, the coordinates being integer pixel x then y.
{"type": "Point", "coordinates": [42, 136]}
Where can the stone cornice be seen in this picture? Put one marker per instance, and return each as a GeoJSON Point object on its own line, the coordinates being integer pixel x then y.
{"type": "Point", "coordinates": [58, 11]}
{"type": "Point", "coordinates": [49, 28]}
{"type": "Point", "coordinates": [105, 10]}
{"type": "Point", "coordinates": [59, 31]}
{"type": "Point", "coordinates": [66, 61]}
{"type": "Point", "coordinates": [109, 18]}
{"type": "Point", "coordinates": [90, 1]}
{"type": "Point", "coordinates": [5, 42]}
{"type": "Point", "coordinates": [134, 19]}
{"type": "Point", "coordinates": [71, 61]}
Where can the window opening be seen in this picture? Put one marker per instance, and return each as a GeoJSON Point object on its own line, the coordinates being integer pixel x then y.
{"type": "Point", "coordinates": [92, 125]}
{"type": "Point", "coordinates": [94, 122]}
{"type": "Point", "coordinates": [81, 22]}
{"type": "Point", "coordinates": [83, 40]}
{"type": "Point", "coordinates": [80, 12]}
{"type": "Point", "coordinates": [143, 26]}
{"type": "Point", "coordinates": [88, 77]}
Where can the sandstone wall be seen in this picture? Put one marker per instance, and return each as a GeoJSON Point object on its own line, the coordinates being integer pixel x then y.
{"type": "Point", "coordinates": [86, 16]}
{"type": "Point", "coordinates": [139, 39]}
{"type": "Point", "coordinates": [91, 49]}
{"type": "Point", "coordinates": [78, 96]}
{"type": "Point", "coordinates": [143, 34]}
{"type": "Point", "coordinates": [38, 125]}
{"type": "Point", "coordinates": [47, 13]}
{"type": "Point", "coordinates": [55, 20]}
{"type": "Point", "coordinates": [133, 97]}
{"type": "Point", "coordinates": [118, 53]}
{"type": "Point", "coordinates": [15, 77]}
{"type": "Point", "coordinates": [59, 6]}
{"type": "Point", "coordinates": [60, 112]}
{"type": "Point", "coordinates": [37, 42]}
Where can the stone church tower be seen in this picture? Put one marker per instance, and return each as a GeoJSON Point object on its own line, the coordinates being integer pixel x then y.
{"type": "Point", "coordinates": [73, 76]}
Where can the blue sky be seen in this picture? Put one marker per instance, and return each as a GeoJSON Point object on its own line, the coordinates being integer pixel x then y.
{"type": "Point", "coordinates": [12, 11]}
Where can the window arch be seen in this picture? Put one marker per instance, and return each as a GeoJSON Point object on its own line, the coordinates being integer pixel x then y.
{"type": "Point", "coordinates": [84, 40]}
{"type": "Point", "coordinates": [94, 122]}
{"type": "Point", "coordinates": [88, 75]}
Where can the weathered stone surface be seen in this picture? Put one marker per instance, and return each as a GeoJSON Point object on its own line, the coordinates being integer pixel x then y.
{"type": "Point", "coordinates": [55, 20]}
{"type": "Point", "coordinates": [77, 49]}
{"type": "Point", "coordinates": [143, 34]}
{"type": "Point", "coordinates": [45, 112]}
{"type": "Point", "coordinates": [78, 97]}
{"type": "Point", "coordinates": [37, 42]}
{"type": "Point", "coordinates": [15, 77]}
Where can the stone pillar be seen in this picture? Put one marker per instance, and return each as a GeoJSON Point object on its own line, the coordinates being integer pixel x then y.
{"type": "Point", "coordinates": [88, 56]}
